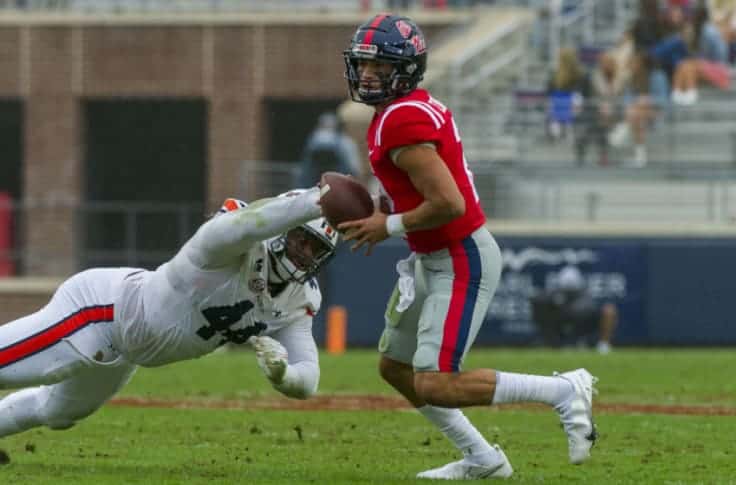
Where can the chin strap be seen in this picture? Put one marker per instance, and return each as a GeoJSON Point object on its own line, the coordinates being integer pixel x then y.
{"type": "Point", "coordinates": [274, 277]}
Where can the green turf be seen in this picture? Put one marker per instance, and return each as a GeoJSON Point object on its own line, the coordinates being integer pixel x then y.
{"type": "Point", "coordinates": [653, 376]}
{"type": "Point", "coordinates": [171, 446]}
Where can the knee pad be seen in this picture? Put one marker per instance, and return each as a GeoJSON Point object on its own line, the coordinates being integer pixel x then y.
{"type": "Point", "coordinates": [19, 411]}
{"type": "Point", "coordinates": [28, 408]}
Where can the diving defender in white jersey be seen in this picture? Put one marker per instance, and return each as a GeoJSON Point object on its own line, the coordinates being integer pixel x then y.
{"type": "Point", "coordinates": [245, 276]}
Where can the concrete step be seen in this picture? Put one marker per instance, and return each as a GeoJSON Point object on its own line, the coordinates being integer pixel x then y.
{"type": "Point", "coordinates": [563, 151]}
{"type": "Point", "coordinates": [610, 199]}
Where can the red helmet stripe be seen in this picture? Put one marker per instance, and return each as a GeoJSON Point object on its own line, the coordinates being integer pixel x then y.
{"type": "Point", "coordinates": [231, 205]}
{"type": "Point", "coordinates": [372, 27]}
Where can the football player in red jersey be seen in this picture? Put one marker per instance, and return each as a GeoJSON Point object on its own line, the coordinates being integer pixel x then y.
{"type": "Point", "coordinates": [446, 285]}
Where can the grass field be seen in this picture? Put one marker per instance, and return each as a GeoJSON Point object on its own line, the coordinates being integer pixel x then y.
{"type": "Point", "coordinates": [201, 427]}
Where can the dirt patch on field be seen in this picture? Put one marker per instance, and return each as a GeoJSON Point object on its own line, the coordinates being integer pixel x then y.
{"type": "Point", "coordinates": [370, 402]}
{"type": "Point", "coordinates": [351, 402]}
{"type": "Point", "coordinates": [666, 409]}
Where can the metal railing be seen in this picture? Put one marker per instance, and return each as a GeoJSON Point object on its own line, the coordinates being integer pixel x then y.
{"type": "Point", "coordinates": [690, 136]}
{"type": "Point", "coordinates": [213, 6]}
{"type": "Point", "coordinates": [119, 233]}
{"type": "Point", "coordinates": [480, 63]}
{"type": "Point", "coordinates": [628, 196]}
{"type": "Point", "coordinates": [192, 6]}
{"type": "Point", "coordinates": [137, 233]}
{"type": "Point", "coordinates": [146, 234]}
{"type": "Point", "coordinates": [122, 233]}
{"type": "Point", "coordinates": [561, 22]}
{"type": "Point", "coordinates": [483, 72]}
{"type": "Point", "coordinates": [477, 70]}
{"type": "Point", "coordinates": [572, 26]}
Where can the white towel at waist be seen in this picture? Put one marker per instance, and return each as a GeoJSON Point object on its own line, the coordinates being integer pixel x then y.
{"type": "Point", "coordinates": [405, 268]}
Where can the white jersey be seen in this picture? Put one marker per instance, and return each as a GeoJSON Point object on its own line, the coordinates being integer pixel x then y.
{"type": "Point", "coordinates": [85, 344]}
{"type": "Point", "coordinates": [215, 289]}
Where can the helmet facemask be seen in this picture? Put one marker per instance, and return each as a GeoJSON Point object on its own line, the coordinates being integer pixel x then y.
{"type": "Point", "coordinates": [389, 39]}
{"type": "Point", "coordinates": [301, 252]}
{"type": "Point", "coordinates": [399, 82]}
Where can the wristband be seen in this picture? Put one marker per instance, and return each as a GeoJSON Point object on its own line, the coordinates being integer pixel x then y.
{"type": "Point", "coordinates": [395, 225]}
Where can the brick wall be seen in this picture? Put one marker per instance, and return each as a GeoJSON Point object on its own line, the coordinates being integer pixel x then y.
{"type": "Point", "coordinates": [233, 63]}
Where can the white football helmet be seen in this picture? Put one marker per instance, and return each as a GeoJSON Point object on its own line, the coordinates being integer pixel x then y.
{"type": "Point", "coordinates": [301, 252]}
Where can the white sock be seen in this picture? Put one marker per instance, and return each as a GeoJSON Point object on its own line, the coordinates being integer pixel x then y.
{"type": "Point", "coordinates": [461, 432]}
{"type": "Point", "coordinates": [511, 387]}
{"type": "Point", "coordinates": [19, 412]}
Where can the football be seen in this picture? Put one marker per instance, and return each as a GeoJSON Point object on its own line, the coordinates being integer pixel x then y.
{"type": "Point", "coordinates": [343, 198]}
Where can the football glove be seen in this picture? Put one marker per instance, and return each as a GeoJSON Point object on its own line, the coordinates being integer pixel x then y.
{"type": "Point", "coordinates": [272, 358]}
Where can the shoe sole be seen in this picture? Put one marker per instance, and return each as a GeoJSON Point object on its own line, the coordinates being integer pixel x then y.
{"type": "Point", "coordinates": [503, 470]}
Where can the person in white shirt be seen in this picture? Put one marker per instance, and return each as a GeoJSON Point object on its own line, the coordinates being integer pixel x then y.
{"type": "Point", "coordinates": [246, 276]}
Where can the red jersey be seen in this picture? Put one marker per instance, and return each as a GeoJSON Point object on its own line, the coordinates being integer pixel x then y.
{"type": "Point", "coordinates": [411, 120]}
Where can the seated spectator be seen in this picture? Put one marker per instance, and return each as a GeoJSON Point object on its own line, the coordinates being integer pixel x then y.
{"type": "Point", "coordinates": [646, 94]}
{"type": "Point", "coordinates": [566, 313]}
{"type": "Point", "coordinates": [671, 48]}
{"type": "Point", "coordinates": [564, 88]}
{"type": "Point", "coordinates": [604, 99]}
{"type": "Point", "coordinates": [648, 27]}
{"type": "Point", "coordinates": [647, 85]}
{"type": "Point", "coordinates": [707, 61]}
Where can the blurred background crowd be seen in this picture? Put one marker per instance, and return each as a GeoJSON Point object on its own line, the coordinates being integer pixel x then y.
{"type": "Point", "coordinates": [614, 94]}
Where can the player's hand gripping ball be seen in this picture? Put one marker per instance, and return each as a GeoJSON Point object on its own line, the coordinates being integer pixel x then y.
{"type": "Point", "coordinates": [343, 198]}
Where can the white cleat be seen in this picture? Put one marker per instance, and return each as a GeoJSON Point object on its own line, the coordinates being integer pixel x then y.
{"type": "Point", "coordinates": [576, 414]}
{"type": "Point", "coordinates": [465, 470]}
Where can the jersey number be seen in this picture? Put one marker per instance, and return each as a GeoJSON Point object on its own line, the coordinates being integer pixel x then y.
{"type": "Point", "coordinates": [220, 319]}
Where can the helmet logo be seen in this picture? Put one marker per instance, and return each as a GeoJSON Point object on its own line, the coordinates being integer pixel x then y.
{"type": "Point", "coordinates": [418, 42]}
{"type": "Point", "coordinates": [257, 285]}
{"type": "Point", "coordinates": [365, 49]}
{"type": "Point", "coordinates": [404, 28]}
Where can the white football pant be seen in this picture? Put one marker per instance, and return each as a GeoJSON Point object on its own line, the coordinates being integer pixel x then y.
{"type": "Point", "coordinates": [65, 352]}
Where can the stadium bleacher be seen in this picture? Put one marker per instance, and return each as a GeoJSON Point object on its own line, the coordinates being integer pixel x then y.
{"type": "Point", "coordinates": [131, 6]}
{"type": "Point", "coordinates": [505, 125]}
